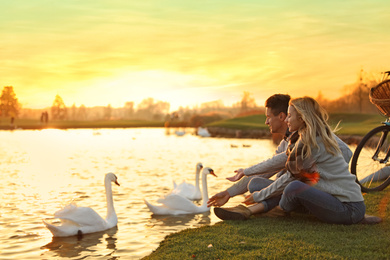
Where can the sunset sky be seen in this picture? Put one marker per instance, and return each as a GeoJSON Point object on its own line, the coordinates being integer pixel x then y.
{"type": "Point", "coordinates": [100, 52]}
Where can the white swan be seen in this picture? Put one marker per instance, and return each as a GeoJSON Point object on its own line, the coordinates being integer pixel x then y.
{"type": "Point", "coordinates": [174, 204]}
{"type": "Point", "coordinates": [82, 220]}
{"type": "Point", "coordinates": [188, 190]}
{"type": "Point", "coordinates": [203, 132]}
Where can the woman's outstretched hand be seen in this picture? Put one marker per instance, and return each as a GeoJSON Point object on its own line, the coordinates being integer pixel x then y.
{"type": "Point", "coordinates": [238, 176]}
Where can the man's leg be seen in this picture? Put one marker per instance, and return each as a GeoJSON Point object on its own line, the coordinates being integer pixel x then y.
{"type": "Point", "coordinates": [257, 184]}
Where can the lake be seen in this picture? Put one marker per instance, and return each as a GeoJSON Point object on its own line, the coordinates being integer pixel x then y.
{"type": "Point", "coordinates": [44, 170]}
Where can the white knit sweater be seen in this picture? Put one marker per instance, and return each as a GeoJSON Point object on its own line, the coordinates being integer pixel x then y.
{"type": "Point", "coordinates": [335, 177]}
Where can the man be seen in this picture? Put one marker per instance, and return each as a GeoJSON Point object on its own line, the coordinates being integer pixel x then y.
{"type": "Point", "coordinates": [276, 113]}
{"type": "Point", "coordinates": [255, 179]}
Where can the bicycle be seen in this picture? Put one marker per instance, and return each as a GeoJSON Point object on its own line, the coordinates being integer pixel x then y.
{"type": "Point", "coordinates": [370, 161]}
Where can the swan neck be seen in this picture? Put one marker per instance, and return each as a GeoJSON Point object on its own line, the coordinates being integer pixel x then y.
{"type": "Point", "coordinates": [204, 190]}
{"type": "Point", "coordinates": [197, 180]}
{"type": "Point", "coordinates": [110, 201]}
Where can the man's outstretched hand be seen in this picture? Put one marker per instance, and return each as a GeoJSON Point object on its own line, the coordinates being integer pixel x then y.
{"type": "Point", "coordinates": [218, 199]}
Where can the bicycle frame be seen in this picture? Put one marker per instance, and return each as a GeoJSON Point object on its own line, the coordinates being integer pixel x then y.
{"type": "Point", "coordinates": [380, 143]}
{"type": "Point", "coordinates": [386, 74]}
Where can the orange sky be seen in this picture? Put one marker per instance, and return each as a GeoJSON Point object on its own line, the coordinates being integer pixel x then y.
{"type": "Point", "coordinates": [187, 52]}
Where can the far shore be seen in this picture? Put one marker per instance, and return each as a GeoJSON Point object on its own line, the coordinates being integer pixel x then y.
{"type": "Point", "coordinates": [262, 132]}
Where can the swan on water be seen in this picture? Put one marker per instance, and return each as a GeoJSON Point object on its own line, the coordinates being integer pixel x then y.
{"type": "Point", "coordinates": [203, 132]}
{"type": "Point", "coordinates": [188, 190]}
{"type": "Point", "coordinates": [175, 204]}
{"type": "Point", "coordinates": [82, 220]}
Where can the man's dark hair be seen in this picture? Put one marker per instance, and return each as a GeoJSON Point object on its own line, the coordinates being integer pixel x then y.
{"type": "Point", "coordinates": [278, 103]}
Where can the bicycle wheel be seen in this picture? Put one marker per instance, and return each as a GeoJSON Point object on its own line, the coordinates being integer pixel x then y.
{"type": "Point", "coordinates": [370, 160]}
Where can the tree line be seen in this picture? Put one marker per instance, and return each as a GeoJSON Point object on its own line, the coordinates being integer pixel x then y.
{"type": "Point", "coordinates": [354, 100]}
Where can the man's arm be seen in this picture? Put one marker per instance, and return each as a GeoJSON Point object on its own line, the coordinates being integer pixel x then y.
{"type": "Point", "coordinates": [268, 167]}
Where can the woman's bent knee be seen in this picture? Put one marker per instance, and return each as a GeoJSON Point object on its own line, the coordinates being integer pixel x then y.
{"type": "Point", "coordinates": [295, 187]}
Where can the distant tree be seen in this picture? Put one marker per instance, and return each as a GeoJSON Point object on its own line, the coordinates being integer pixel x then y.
{"type": "Point", "coordinates": [355, 98]}
{"type": "Point", "coordinates": [149, 109]}
{"type": "Point", "coordinates": [185, 113]}
{"type": "Point", "coordinates": [129, 109]}
{"type": "Point", "coordinates": [9, 104]}
{"type": "Point", "coordinates": [82, 113]}
{"type": "Point", "coordinates": [107, 112]}
{"type": "Point", "coordinates": [58, 109]}
{"type": "Point", "coordinates": [247, 101]}
{"type": "Point", "coordinates": [211, 106]}
{"type": "Point", "coordinates": [206, 118]}
{"type": "Point", "coordinates": [73, 112]}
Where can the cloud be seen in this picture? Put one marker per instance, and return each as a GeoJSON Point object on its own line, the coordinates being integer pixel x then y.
{"type": "Point", "coordinates": [212, 49]}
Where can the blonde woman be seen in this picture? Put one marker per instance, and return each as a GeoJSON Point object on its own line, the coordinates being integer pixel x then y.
{"type": "Point", "coordinates": [325, 187]}
{"type": "Point", "coordinates": [317, 179]}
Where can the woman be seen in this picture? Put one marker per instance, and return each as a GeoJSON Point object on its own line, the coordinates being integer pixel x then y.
{"type": "Point", "coordinates": [324, 185]}
{"type": "Point", "coordinates": [317, 178]}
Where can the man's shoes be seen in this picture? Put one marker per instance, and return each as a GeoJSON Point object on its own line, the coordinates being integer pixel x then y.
{"type": "Point", "coordinates": [369, 220]}
{"type": "Point", "coordinates": [239, 212]}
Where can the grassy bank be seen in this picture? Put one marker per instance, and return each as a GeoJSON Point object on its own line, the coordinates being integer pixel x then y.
{"type": "Point", "coordinates": [355, 124]}
{"type": "Point", "coordinates": [68, 124]}
{"type": "Point", "coordinates": [242, 123]}
{"type": "Point", "coordinates": [296, 237]}
{"type": "Point", "coordinates": [349, 124]}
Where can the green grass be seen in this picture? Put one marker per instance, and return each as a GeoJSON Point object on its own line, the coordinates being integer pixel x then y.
{"type": "Point", "coordinates": [350, 124]}
{"type": "Point", "coordinates": [355, 124]}
{"type": "Point", "coordinates": [63, 124]}
{"type": "Point", "coordinates": [246, 122]}
{"type": "Point", "coordinates": [296, 237]}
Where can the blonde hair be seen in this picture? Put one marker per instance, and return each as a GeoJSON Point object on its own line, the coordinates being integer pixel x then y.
{"type": "Point", "coordinates": [315, 120]}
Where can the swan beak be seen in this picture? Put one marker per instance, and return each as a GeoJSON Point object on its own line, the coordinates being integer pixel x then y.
{"type": "Point", "coordinates": [212, 173]}
{"type": "Point", "coordinates": [117, 183]}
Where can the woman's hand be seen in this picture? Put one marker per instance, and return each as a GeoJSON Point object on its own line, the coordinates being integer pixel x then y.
{"type": "Point", "coordinates": [238, 176]}
{"type": "Point", "coordinates": [249, 200]}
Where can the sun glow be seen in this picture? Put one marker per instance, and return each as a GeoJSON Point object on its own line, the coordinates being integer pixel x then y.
{"type": "Point", "coordinates": [187, 53]}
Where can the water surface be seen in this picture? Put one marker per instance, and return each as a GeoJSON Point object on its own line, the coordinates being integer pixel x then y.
{"type": "Point", "coordinates": [45, 170]}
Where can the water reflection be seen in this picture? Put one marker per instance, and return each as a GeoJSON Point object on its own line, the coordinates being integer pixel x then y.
{"type": "Point", "coordinates": [188, 220]}
{"type": "Point", "coordinates": [42, 171]}
{"type": "Point", "coordinates": [85, 245]}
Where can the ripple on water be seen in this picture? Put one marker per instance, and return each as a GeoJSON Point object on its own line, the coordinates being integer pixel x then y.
{"type": "Point", "coordinates": [70, 166]}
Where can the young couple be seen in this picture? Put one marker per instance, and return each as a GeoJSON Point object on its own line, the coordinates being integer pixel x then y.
{"type": "Point", "coordinates": [311, 164]}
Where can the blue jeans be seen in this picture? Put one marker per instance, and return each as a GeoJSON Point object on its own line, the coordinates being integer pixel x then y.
{"type": "Point", "coordinates": [259, 183]}
{"type": "Point", "coordinates": [321, 204]}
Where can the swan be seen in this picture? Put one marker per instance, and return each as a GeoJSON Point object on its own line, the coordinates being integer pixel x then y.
{"type": "Point", "coordinates": [180, 133]}
{"type": "Point", "coordinates": [188, 190]}
{"type": "Point", "coordinates": [175, 204]}
{"type": "Point", "coordinates": [203, 132]}
{"type": "Point", "coordinates": [82, 220]}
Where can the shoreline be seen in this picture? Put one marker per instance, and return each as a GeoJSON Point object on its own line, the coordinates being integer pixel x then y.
{"type": "Point", "coordinates": [215, 132]}
{"type": "Point", "coordinates": [265, 134]}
